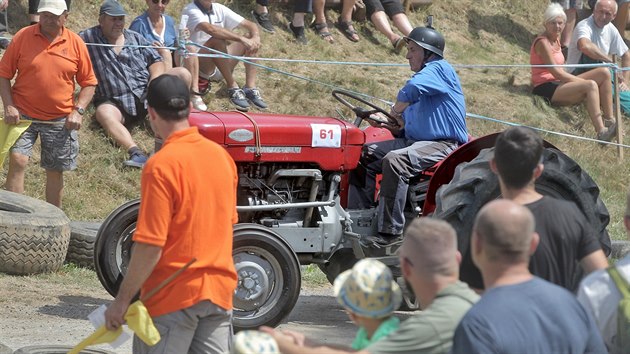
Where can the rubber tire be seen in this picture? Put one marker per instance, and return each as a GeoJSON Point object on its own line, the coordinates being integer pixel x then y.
{"type": "Point", "coordinates": [5, 350]}
{"type": "Point", "coordinates": [114, 236]}
{"type": "Point", "coordinates": [34, 235]}
{"type": "Point", "coordinates": [81, 246]}
{"type": "Point", "coordinates": [257, 240]}
{"type": "Point", "coordinates": [57, 349]}
{"type": "Point", "coordinates": [338, 263]}
{"type": "Point", "coordinates": [474, 184]}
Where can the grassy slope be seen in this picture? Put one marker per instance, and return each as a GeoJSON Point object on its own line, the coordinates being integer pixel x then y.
{"type": "Point", "coordinates": [496, 33]}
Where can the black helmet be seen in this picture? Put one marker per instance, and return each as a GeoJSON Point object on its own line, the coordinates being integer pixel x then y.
{"type": "Point", "coordinates": [427, 38]}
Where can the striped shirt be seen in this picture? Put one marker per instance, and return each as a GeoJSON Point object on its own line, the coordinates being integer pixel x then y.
{"type": "Point", "coordinates": [122, 78]}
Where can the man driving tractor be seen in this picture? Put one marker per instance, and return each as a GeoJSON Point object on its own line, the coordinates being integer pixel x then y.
{"type": "Point", "coordinates": [428, 122]}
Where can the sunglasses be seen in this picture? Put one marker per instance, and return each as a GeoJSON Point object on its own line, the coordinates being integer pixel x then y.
{"type": "Point", "coordinates": [164, 2]}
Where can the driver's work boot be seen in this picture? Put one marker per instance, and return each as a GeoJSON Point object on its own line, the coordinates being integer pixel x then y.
{"type": "Point", "coordinates": [383, 239]}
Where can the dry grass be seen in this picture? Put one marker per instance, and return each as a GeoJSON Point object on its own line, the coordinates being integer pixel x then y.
{"type": "Point", "coordinates": [498, 32]}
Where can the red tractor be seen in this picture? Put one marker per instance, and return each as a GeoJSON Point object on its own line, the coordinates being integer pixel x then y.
{"type": "Point", "coordinates": [292, 198]}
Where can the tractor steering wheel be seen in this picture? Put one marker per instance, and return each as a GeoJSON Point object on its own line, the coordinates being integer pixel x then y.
{"type": "Point", "coordinates": [362, 113]}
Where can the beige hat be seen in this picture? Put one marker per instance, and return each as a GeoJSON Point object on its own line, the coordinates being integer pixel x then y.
{"type": "Point", "coordinates": [254, 342]}
{"type": "Point", "coordinates": [368, 289]}
{"type": "Point", "coordinates": [55, 7]}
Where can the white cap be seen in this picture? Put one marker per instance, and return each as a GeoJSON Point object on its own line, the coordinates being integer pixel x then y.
{"type": "Point", "coordinates": [56, 7]}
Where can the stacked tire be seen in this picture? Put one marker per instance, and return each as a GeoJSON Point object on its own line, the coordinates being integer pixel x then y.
{"type": "Point", "coordinates": [34, 235]}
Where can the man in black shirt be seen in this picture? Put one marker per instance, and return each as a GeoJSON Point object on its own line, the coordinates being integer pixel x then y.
{"type": "Point", "coordinates": [566, 238]}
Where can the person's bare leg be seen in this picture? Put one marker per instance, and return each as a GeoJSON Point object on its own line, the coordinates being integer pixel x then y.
{"type": "Point", "coordinates": [401, 21]}
{"type": "Point", "coordinates": [167, 58]}
{"type": "Point", "coordinates": [565, 39]}
{"type": "Point", "coordinates": [15, 175]}
{"type": "Point", "coordinates": [261, 9]}
{"type": "Point", "coordinates": [346, 16]}
{"type": "Point", "coordinates": [110, 118]}
{"type": "Point", "coordinates": [621, 19]}
{"type": "Point", "coordinates": [54, 187]}
{"type": "Point", "coordinates": [381, 22]}
{"type": "Point", "coordinates": [182, 73]}
{"type": "Point", "coordinates": [192, 64]}
{"type": "Point", "coordinates": [601, 76]}
{"type": "Point", "coordinates": [225, 65]}
{"type": "Point", "coordinates": [320, 20]}
{"type": "Point", "coordinates": [576, 92]}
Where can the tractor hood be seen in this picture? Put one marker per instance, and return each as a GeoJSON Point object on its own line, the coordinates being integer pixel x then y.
{"type": "Point", "coordinates": [329, 142]}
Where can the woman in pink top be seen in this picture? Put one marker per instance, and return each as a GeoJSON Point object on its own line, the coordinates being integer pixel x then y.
{"type": "Point", "coordinates": [561, 88]}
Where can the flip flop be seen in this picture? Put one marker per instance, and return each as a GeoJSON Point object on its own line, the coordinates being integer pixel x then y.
{"type": "Point", "coordinates": [322, 30]}
{"type": "Point", "coordinates": [346, 28]}
{"type": "Point", "coordinates": [398, 44]}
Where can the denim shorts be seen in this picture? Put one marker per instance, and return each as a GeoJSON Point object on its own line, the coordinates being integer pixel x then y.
{"type": "Point", "coordinates": [59, 146]}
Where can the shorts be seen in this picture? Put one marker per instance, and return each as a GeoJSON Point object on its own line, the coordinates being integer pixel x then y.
{"type": "Point", "coordinates": [200, 328]}
{"type": "Point", "coordinates": [570, 4]}
{"type": "Point", "coordinates": [391, 7]}
{"type": "Point", "coordinates": [59, 146]}
{"type": "Point", "coordinates": [546, 90]}
{"type": "Point", "coordinates": [127, 118]}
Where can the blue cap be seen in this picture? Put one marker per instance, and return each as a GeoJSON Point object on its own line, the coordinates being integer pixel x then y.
{"type": "Point", "coordinates": [112, 8]}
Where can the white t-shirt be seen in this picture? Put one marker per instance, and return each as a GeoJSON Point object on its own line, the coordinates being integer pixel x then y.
{"type": "Point", "coordinates": [220, 16]}
{"type": "Point", "coordinates": [607, 39]}
{"type": "Point", "coordinates": [598, 293]}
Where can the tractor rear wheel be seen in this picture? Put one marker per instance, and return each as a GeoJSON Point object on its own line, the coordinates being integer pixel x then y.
{"type": "Point", "coordinates": [474, 184]}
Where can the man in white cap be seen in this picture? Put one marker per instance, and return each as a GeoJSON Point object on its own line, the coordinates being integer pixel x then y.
{"type": "Point", "coordinates": [48, 59]}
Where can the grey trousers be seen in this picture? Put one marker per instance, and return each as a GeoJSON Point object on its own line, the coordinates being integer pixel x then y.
{"type": "Point", "coordinates": [398, 166]}
{"type": "Point", "coordinates": [201, 328]}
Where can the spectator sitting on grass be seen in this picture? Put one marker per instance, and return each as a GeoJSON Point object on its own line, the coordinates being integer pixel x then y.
{"type": "Point", "coordinates": [157, 28]}
{"type": "Point", "coordinates": [369, 295]}
{"type": "Point", "coordinates": [561, 88]}
{"type": "Point", "coordinates": [212, 25]}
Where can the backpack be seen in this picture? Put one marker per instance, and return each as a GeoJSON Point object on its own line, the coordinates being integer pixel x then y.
{"type": "Point", "coordinates": [622, 340]}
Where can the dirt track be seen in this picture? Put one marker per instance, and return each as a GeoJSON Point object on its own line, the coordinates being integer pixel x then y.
{"type": "Point", "coordinates": [36, 312]}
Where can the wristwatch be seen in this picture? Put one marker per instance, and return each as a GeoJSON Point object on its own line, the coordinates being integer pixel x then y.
{"type": "Point", "coordinates": [80, 110]}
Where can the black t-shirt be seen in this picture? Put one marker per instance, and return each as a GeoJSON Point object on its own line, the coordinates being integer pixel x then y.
{"type": "Point", "coordinates": [565, 238]}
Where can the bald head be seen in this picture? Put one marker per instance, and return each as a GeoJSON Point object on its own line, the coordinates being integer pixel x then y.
{"type": "Point", "coordinates": [431, 245]}
{"type": "Point", "coordinates": [505, 231]}
{"type": "Point", "coordinates": [604, 12]}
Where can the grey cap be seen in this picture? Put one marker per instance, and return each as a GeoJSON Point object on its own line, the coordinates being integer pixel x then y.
{"type": "Point", "coordinates": [112, 8]}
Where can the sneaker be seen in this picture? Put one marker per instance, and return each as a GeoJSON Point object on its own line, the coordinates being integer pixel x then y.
{"type": "Point", "coordinates": [608, 133]}
{"type": "Point", "coordinates": [237, 97]}
{"type": "Point", "coordinates": [138, 159]}
{"type": "Point", "coordinates": [263, 21]}
{"type": "Point", "coordinates": [198, 103]}
{"type": "Point", "coordinates": [298, 33]}
{"type": "Point", "coordinates": [609, 122]}
{"type": "Point", "coordinates": [4, 41]}
{"type": "Point", "coordinates": [253, 95]}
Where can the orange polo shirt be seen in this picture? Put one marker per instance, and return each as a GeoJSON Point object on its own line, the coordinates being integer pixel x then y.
{"type": "Point", "coordinates": [46, 72]}
{"type": "Point", "coordinates": [188, 207]}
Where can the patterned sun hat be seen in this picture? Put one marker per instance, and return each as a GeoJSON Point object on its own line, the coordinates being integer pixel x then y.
{"type": "Point", "coordinates": [368, 289]}
{"type": "Point", "coordinates": [254, 342]}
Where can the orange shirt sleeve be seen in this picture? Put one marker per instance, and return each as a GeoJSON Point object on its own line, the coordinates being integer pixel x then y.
{"type": "Point", "coordinates": [85, 72]}
{"type": "Point", "coordinates": [156, 207]}
{"type": "Point", "coordinates": [8, 64]}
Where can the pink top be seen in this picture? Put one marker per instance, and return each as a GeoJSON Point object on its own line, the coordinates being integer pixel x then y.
{"type": "Point", "coordinates": [542, 75]}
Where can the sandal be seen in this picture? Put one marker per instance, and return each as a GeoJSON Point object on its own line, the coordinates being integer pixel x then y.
{"type": "Point", "coordinates": [346, 28]}
{"type": "Point", "coordinates": [322, 30]}
{"type": "Point", "coordinates": [398, 44]}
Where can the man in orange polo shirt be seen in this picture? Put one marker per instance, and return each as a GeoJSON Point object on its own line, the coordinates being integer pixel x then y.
{"type": "Point", "coordinates": [47, 58]}
{"type": "Point", "coordinates": [187, 211]}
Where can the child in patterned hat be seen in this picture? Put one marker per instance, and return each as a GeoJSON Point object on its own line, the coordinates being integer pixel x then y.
{"type": "Point", "coordinates": [370, 295]}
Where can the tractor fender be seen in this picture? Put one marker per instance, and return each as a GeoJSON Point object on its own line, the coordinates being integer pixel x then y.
{"type": "Point", "coordinates": [445, 169]}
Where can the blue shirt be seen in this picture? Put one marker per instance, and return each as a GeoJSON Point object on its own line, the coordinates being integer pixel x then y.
{"type": "Point", "coordinates": [142, 25]}
{"type": "Point", "coordinates": [530, 317]}
{"type": "Point", "coordinates": [123, 77]}
{"type": "Point", "coordinates": [437, 109]}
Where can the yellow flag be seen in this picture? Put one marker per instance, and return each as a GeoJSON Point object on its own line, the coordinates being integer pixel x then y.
{"type": "Point", "coordinates": [9, 135]}
{"type": "Point", "coordinates": [138, 320]}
